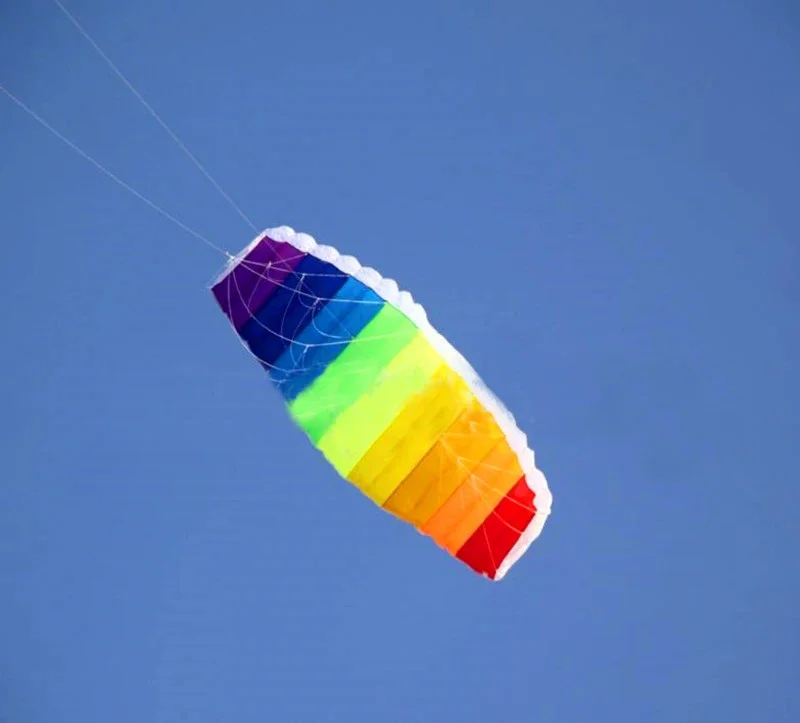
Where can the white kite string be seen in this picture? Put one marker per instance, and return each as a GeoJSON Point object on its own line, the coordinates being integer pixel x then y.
{"type": "Point", "coordinates": [153, 113]}
{"type": "Point", "coordinates": [110, 174]}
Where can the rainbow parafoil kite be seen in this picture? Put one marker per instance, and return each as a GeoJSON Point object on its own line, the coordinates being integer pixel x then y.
{"type": "Point", "coordinates": [386, 398]}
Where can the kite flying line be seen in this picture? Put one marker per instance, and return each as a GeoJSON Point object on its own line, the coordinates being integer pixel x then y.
{"type": "Point", "coordinates": [114, 177]}
{"type": "Point", "coordinates": [153, 113]}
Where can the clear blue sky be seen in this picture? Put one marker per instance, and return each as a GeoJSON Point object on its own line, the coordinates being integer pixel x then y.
{"type": "Point", "coordinates": [596, 202]}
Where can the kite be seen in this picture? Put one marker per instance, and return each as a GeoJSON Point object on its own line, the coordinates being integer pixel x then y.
{"type": "Point", "coordinates": [389, 402]}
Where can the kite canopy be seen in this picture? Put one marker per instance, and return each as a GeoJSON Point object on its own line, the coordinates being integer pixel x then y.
{"type": "Point", "coordinates": [394, 408]}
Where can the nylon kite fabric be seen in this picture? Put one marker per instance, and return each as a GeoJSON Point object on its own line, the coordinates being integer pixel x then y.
{"type": "Point", "coordinates": [389, 402]}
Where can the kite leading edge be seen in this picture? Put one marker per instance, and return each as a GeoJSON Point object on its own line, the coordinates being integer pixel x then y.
{"type": "Point", "coordinates": [395, 409]}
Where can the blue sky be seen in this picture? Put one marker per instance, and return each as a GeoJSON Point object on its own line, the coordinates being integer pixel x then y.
{"type": "Point", "coordinates": [597, 205]}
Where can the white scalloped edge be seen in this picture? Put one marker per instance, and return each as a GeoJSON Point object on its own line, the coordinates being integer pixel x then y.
{"type": "Point", "coordinates": [389, 290]}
